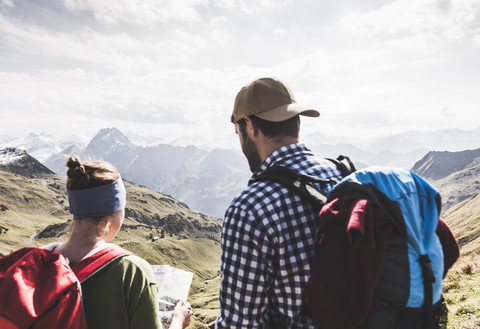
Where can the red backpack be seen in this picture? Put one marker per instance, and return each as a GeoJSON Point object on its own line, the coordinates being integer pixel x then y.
{"type": "Point", "coordinates": [39, 290]}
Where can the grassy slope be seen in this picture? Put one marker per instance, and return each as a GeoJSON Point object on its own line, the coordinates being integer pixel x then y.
{"type": "Point", "coordinates": [462, 284]}
{"type": "Point", "coordinates": [462, 293]}
{"type": "Point", "coordinates": [200, 256]}
{"type": "Point", "coordinates": [30, 205]}
{"type": "Point", "coordinates": [27, 206]}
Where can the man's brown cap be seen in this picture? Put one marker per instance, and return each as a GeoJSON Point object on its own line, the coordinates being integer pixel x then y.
{"type": "Point", "coordinates": [269, 99]}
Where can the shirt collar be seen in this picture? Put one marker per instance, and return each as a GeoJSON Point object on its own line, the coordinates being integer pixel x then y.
{"type": "Point", "coordinates": [280, 155]}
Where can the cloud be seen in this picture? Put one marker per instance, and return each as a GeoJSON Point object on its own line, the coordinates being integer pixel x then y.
{"type": "Point", "coordinates": [6, 4]}
{"type": "Point", "coordinates": [137, 12]}
{"type": "Point", "coordinates": [113, 51]}
{"type": "Point", "coordinates": [280, 32]}
{"type": "Point", "coordinates": [136, 113]}
{"type": "Point", "coordinates": [437, 20]}
{"type": "Point", "coordinates": [176, 68]}
{"type": "Point", "coordinates": [153, 12]}
{"type": "Point", "coordinates": [218, 32]}
{"type": "Point", "coordinates": [446, 112]}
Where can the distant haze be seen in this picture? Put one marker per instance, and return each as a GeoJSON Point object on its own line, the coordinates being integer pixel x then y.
{"type": "Point", "coordinates": [208, 179]}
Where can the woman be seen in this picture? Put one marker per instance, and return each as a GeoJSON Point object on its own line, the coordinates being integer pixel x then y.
{"type": "Point", "coordinates": [123, 294]}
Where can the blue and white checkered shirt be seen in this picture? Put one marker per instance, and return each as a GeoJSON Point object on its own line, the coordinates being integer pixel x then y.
{"type": "Point", "coordinates": [268, 247]}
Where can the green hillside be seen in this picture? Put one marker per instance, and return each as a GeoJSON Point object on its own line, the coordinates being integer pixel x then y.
{"type": "Point", "coordinates": [462, 284]}
{"type": "Point", "coordinates": [34, 212]}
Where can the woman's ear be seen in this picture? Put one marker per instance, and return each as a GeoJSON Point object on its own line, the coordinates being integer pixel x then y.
{"type": "Point", "coordinates": [108, 222]}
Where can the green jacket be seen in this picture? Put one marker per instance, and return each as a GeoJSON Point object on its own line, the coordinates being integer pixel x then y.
{"type": "Point", "coordinates": [123, 295]}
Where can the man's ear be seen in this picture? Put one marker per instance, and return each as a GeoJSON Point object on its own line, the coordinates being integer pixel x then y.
{"type": "Point", "coordinates": [252, 130]}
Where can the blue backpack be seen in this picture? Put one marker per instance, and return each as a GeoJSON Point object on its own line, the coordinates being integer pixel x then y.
{"type": "Point", "coordinates": [397, 283]}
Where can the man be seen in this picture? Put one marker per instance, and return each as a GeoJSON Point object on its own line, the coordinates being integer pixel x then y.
{"type": "Point", "coordinates": [268, 242]}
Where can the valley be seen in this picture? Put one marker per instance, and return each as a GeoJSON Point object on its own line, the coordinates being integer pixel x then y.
{"type": "Point", "coordinates": [164, 230]}
{"type": "Point", "coordinates": [34, 212]}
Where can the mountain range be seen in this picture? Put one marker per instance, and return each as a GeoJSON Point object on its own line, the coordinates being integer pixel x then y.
{"type": "Point", "coordinates": [163, 230]}
{"type": "Point", "coordinates": [157, 227]}
{"type": "Point", "coordinates": [397, 150]}
{"type": "Point", "coordinates": [26, 184]}
{"type": "Point", "coordinates": [19, 161]}
{"type": "Point", "coordinates": [207, 180]}
{"type": "Point", "coordinates": [41, 146]}
{"type": "Point", "coordinates": [455, 174]}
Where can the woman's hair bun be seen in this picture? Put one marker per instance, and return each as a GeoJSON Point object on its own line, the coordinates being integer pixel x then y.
{"type": "Point", "coordinates": [87, 174]}
{"type": "Point", "coordinates": [75, 168]}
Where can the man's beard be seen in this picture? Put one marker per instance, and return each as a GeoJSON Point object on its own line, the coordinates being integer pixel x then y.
{"type": "Point", "coordinates": [250, 150]}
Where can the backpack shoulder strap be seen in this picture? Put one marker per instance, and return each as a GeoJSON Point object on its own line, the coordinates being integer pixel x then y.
{"type": "Point", "coordinates": [303, 185]}
{"type": "Point", "coordinates": [344, 165]}
{"type": "Point", "coordinates": [91, 265]}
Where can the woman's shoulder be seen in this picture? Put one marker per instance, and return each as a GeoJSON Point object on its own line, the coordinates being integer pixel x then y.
{"type": "Point", "coordinates": [134, 265]}
{"type": "Point", "coordinates": [134, 261]}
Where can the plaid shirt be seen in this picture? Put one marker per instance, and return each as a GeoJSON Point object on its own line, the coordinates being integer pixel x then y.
{"type": "Point", "coordinates": [268, 247]}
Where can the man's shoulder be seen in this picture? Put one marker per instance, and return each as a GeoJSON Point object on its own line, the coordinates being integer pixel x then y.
{"type": "Point", "coordinates": [262, 192]}
{"type": "Point", "coordinates": [320, 168]}
{"type": "Point", "coordinates": [323, 169]}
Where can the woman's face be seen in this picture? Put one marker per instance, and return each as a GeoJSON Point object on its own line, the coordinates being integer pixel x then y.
{"type": "Point", "coordinates": [116, 221]}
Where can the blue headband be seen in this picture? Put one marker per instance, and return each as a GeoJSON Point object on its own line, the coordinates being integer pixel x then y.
{"type": "Point", "coordinates": [97, 201]}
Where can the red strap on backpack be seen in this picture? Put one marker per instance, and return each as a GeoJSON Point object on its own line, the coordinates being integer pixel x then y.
{"type": "Point", "coordinates": [91, 265]}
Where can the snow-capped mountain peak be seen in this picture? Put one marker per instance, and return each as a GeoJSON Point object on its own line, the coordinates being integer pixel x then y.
{"type": "Point", "coordinates": [10, 155]}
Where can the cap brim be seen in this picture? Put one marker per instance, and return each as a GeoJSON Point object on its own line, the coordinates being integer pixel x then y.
{"type": "Point", "coordinates": [286, 112]}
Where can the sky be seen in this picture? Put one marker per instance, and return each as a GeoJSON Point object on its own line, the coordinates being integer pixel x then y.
{"type": "Point", "coordinates": [172, 68]}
